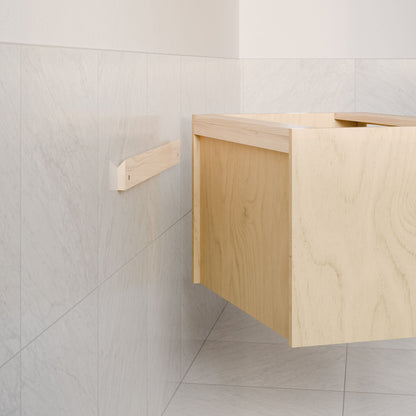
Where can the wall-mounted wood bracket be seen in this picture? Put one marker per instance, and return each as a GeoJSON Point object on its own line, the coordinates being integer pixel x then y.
{"type": "Point", "coordinates": [139, 168]}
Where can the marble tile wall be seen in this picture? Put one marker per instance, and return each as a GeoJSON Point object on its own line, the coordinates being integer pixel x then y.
{"type": "Point", "coordinates": [326, 85]}
{"type": "Point", "coordinates": [386, 86]}
{"type": "Point", "coordinates": [59, 368]}
{"type": "Point", "coordinates": [297, 85]}
{"type": "Point", "coordinates": [10, 202]}
{"type": "Point", "coordinates": [59, 183]}
{"type": "Point", "coordinates": [10, 387]}
{"type": "Point", "coordinates": [98, 315]}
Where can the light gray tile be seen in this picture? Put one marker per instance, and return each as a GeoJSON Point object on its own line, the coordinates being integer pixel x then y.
{"type": "Point", "coordinates": [59, 183]}
{"type": "Point", "coordinates": [193, 85]}
{"type": "Point", "coordinates": [386, 86]}
{"type": "Point", "coordinates": [236, 325]}
{"type": "Point", "coordinates": [164, 105]}
{"type": "Point", "coordinates": [362, 404]}
{"type": "Point", "coordinates": [381, 371]}
{"type": "Point", "coordinates": [223, 85]}
{"type": "Point", "coordinates": [59, 369]}
{"type": "Point", "coordinates": [164, 319]}
{"type": "Point", "coordinates": [297, 85]}
{"type": "Point", "coordinates": [10, 388]}
{"type": "Point", "coordinates": [399, 344]}
{"type": "Point", "coordinates": [200, 306]}
{"type": "Point", "coordinates": [204, 400]}
{"type": "Point", "coordinates": [193, 101]}
{"type": "Point", "coordinates": [164, 95]}
{"type": "Point", "coordinates": [269, 365]}
{"type": "Point", "coordinates": [123, 340]}
{"type": "Point", "coordinates": [124, 131]}
{"type": "Point", "coordinates": [10, 201]}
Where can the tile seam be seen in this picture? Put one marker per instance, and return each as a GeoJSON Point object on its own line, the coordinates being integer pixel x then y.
{"type": "Point", "coordinates": [192, 362]}
{"type": "Point", "coordinates": [41, 45]}
{"type": "Point", "coordinates": [89, 293]}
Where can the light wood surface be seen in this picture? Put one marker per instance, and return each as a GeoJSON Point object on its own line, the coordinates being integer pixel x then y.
{"type": "Point", "coordinates": [319, 242]}
{"type": "Point", "coordinates": [301, 119]}
{"type": "Point", "coordinates": [353, 235]}
{"type": "Point", "coordinates": [258, 133]}
{"type": "Point", "coordinates": [244, 216]}
{"type": "Point", "coordinates": [139, 168]}
{"type": "Point", "coordinates": [196, 210]}
{"type": "Point", "coordinates": [382, 119]}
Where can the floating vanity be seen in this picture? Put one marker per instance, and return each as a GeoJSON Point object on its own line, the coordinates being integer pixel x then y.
{"type": "Point", "coordinates": [307, 222]}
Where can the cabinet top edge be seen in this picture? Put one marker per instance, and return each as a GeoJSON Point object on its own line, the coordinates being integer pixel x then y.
{"type": "Point", "coordinates": [260, 119]}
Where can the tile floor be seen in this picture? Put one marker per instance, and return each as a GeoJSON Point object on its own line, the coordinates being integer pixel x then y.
{"type": "Point", "coordinates": [246, 369]}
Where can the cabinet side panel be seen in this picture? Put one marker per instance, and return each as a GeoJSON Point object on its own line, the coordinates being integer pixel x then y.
{"type": "Point", "coordinates": [353, 235]}
{"type": "Point", "coordinates": [244, 228]}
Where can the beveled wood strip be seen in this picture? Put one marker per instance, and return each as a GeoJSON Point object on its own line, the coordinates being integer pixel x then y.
{"type": "Point", "coordinates": [257, 133]}
{"type": "Point", "coordinates": [139, 168]}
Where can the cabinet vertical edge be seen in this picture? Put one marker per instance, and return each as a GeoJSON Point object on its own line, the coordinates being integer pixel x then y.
{"type": "Point", "coordinates": [290, 336]}
{"type": "Point", "coordinates": [196, 211]}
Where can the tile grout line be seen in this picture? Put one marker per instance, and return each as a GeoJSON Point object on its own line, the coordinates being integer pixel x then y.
{"type": "Point", "coordinates": [192, 362]}
{"type": "Point", "coordinates": [383, 348]}
{"type": "Point", "coordinates": [297, 388]}
{"type": "Point", "coordinates": [181, 144]}
{"type": "Point", "coordinates": [286, 343]}
{"type": "Point", "coordinates": [314, 346]}
{"type": "Point", "coordinates": [20, 230]}
{"type": "Point", "coordinates": [181, 263]}
{"type": "Point", "coordinates": [345, 378]}
{"type": "Point", "coordinates": [93, 290]}
{"type": "Point", "coordinates": [205, 102]}
{"type": "Point", "coordinates": [98, 352]}
{"type": "Point", "coordinates": [381, 393]}
{"type": "Point", "coordinates": [242, 85]}
{"type": "Point", "coordinates": [181, 64]}
{"type": "Point", "coordinates": [147, 64]}
{"type": "Point", "coordinates": [345, 58]}
{"type": "Point", "coordinates": [147, 284]}
{"type": "Point", "coordinates": [40, 45]}
{"type": "Point", "coordinates": [217, 341]}
{"type": "Point", "coordinates": [355, 85]}
{"type": "Point", "coordinates": [261, 387]}
{"type": "Point", "coordinates": [229, 58]}
{"type": "Point", "coordinates": [98, 230]}
{"type": "Point", "coordinates": [205, 340]}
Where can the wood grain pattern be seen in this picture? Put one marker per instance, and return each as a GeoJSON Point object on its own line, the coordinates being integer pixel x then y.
{"type": "Point", "coordinates": [318, 243]}
{"type": "Point", "coordinates": [258, 133]}
{"type": "Point", "coordinates": [244, 226]}
{"type": "Point", "coordinates": [353, 235]}
{"type": "Point", "coordinates": [139, 168]}
{"type": "Point", "coordinates": [372, 118]}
